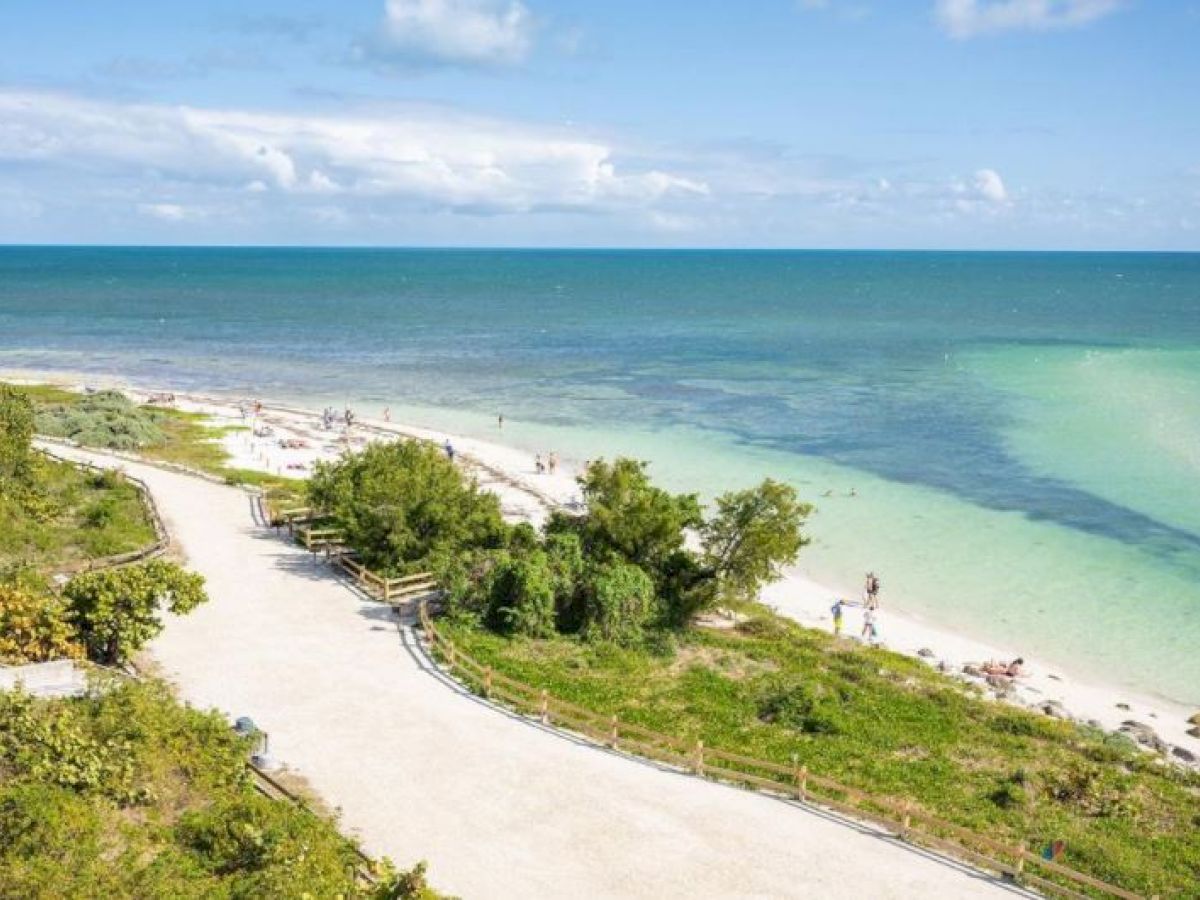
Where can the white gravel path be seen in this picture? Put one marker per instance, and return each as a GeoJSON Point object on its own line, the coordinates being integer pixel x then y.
{"type": "Point", "coordinates": [498, 806]}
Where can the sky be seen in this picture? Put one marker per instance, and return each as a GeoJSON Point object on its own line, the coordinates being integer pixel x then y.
{"type": "Point", "coordinates": [972, 124]}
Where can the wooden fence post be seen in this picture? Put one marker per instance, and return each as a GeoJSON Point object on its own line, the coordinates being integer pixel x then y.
{"type": "Point", "coordinates": [1020, 859]}
{"type": "Point", "coordinates": [487, 682]}
{"type": "Point", "coordinates": [544, 711]}
{"type": "Point", "coordinates": [387, 590]}
{"type": "Point", "coordinates": [613, 732]}
{"type": "Point", "coordinates": [698, 758]}
{"type": "Point", "coordinates": [802, 784]}
{"type": "Point", "coordinates": [906, 822]}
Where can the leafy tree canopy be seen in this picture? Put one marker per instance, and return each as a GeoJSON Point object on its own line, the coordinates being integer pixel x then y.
{"type": "Point", "coordinates": [752, 535]}
{"type": "Point", "coordinates": [400, 504]}
{"type": "Point", "coordinates": [116, 611]}
{"type": "Point", "coordinates": [629, 517]}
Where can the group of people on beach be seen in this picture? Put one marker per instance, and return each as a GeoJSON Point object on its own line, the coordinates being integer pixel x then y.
{"type": "Point", "coordinates": [870, 604]}
{"type": "Point", "coordinates": [330, 417]}
{"type": "Point", "coordinates": [547, 466]}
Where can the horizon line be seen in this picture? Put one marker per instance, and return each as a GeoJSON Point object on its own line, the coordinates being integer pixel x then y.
{"type": "Point", "coordinates": [567, 248]}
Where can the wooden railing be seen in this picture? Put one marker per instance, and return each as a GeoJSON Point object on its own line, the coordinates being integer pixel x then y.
{"type": "Point", "coordinates": [389, 590]}
{"type": "Point", "coordinates": [903, 819]}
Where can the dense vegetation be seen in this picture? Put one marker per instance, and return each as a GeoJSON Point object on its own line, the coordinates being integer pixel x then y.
{"type": "Point", "coordinates": [601, 609]}
{"type": "Point", "coordinates": [53, 512]}
{"type": "Point", "coordinates": [104, 419]}
{"type": "Point", "coordinates": [126, 793]}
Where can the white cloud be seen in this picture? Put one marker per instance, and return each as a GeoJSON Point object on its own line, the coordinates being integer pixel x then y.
{"type": "Point", "coordinates": [167, 212]}
{"type": "Point", "coordinates": [454, 32]}
{"type": "Point", "coordinates": [990, 186]}
{"type": "Point", "coordinates": [969, 18]}
{"type": "Point", "coordinates": [423, 158]}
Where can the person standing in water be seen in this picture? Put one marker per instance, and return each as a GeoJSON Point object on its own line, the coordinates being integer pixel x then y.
{"type": "Point", "coordinates": [500, 421]}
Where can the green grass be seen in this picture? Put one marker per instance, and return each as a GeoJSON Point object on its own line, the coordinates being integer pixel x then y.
{"type": "Point", "coordinates": [78, 516]}
{"type": "Point", "coordinates": [891, 726]}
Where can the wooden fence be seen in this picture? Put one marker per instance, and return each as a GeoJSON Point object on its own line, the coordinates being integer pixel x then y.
{"type": "Point", "coordinates": [903, 819]}
{"type": "Point", "coordinates": [389, 590]}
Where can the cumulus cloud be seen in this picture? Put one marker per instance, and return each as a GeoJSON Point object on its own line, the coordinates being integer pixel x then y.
{"type": "Point", "coordinates": [167, 212]}
{"type": "Point", "coordinates": [451, 32]}
{"type": "Point", "coordinates": [423, 158]}
{"type": "Point", "coordinates": [969, 18]}
{"type": "Point", "coordinates": [990, 186]}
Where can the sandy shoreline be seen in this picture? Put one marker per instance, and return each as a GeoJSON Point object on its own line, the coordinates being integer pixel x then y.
{"type": "Point", "coordinates": [525, 494]}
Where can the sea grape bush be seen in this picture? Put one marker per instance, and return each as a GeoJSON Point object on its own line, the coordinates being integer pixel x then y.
{"type": "Point", "coordinates": [116, 611]}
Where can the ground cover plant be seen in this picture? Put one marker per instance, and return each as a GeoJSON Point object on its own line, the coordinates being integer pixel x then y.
{"type": "Point", "coordinates": [884, 723]}
{"type": "Point", "coordinates": [54, 512]}
{"type": "Point", "coordinates": [127, 793]}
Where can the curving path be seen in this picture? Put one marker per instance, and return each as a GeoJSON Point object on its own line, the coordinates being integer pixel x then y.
{"type": "Point", "coordinates": [498, 806]}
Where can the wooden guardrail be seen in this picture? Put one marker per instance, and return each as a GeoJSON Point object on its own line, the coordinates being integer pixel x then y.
{"type": "Point", "coordinates": [389, 590]}
{"type": "Point", "coordinates": [902, 818]}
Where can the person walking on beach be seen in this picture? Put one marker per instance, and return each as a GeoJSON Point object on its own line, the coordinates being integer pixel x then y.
{"type": "Point", "coordinates": [838, 609]}
{"type": "Point", "coordinates": [552, 462]}
{"type": "Point", "coordinates": [387, 414]}
{"type": "Point", "coordinates": [449, 448]}
{"type": "Point", "coordinates": [538, 465]}
{"type": "Point", "coordinates": [871, 591]}
{"type": "Point", "coordinates": [870, 631]}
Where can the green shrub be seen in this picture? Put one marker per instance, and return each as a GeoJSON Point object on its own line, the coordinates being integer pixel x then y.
{"type": "Point", "coordinates": [404, 505]}
{"type": "Point", "coordinates": [619, 603]}
{"type": "Point", "coordinates": [796, 704]}
{"type": "Point", "coordinates": [33, 626]}
{"type": "Point", "coordinates": [116, 611]}
{"type": "Point", "coordinates": [106, 419]}
{"type": "Point", "coordinates": [522, 595]}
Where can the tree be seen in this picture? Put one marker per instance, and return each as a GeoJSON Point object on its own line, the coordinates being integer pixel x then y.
{"type": "Point", "coordinates": [16, 435]}
{"type": "Point", "coordinates": [752, 536]}
{"type": "Point", "coordinates": [629, 517]}
{"type": "Point", "coordinates": [402, 504]}
{"type": "Point", "coordinates": [33, 627]}
{"type": "Point", "coordinates": [116, 611]}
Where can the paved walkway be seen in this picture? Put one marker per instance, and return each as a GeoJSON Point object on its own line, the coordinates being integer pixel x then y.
{"type": "Point", "coordinates": [498, 806]}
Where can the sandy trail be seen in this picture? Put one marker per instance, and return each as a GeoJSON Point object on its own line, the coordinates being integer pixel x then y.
{"type": "Point", "coordinates": [420, 770]}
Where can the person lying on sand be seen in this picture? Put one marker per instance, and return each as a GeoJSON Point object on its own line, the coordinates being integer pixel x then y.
{"type": "Point", "coordinates": [1009, 670]}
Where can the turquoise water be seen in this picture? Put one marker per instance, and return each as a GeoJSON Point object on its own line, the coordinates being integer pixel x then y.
{"type": "Point", "coordinates": [1021, 431]}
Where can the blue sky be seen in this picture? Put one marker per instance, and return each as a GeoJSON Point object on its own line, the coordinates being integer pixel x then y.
{"type": "Point", "coordinates": [793, 123]}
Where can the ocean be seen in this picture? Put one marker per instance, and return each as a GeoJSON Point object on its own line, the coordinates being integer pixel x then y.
{"type": "Point", "coordinates": [1012, 440]}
